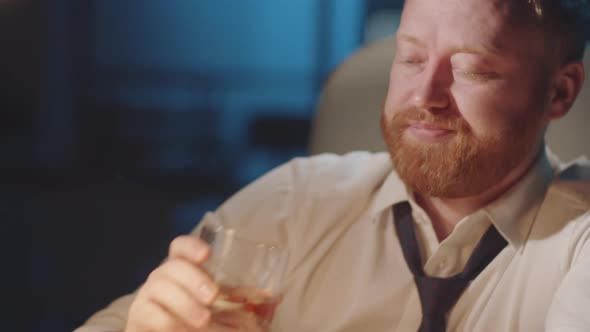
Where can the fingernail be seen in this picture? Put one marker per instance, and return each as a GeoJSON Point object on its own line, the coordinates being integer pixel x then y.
{"type": "Point", "coordinates": [207, 292]}
{"type": "Point", "coordinates": [201, 252]}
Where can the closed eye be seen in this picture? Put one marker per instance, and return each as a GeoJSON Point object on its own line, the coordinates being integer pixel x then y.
{"type": "Point", "coordinates": [411, 61]}
{"type": "Point", "coordinates": [476, 75]}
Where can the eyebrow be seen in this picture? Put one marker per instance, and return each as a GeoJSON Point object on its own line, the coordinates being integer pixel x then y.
{"type": "Point", "coordinates": [410, 39]}
{"type": "Point", "coordinates": [466, 48]}
{"type": "Point", "coordinates": [478, 50]}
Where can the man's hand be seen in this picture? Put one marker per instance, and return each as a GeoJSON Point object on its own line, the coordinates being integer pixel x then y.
{"type": "Point", "coordinates": [177, 295]}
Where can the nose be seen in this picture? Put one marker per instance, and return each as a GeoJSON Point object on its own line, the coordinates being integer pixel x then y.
{"type": "Point", "coordinates": [432, 92]}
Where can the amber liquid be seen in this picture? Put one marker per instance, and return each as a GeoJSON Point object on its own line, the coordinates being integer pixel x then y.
{"type": "Point", "coordinates": [259, 302]}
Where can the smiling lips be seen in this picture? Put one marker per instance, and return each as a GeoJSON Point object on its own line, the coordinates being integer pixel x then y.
{"type": "Point", "coordinates": [428, 131]}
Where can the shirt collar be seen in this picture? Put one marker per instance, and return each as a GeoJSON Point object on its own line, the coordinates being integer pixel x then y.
{"type": "Point", "coordinates": [392, 191]}
{"type": "Point", "coordinates": [512, 214]}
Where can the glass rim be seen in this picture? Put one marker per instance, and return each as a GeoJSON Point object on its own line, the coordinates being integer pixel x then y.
{"type": "Point", "coordinates": [235, 233]}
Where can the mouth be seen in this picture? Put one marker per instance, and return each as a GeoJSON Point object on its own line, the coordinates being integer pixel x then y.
{"type": "Point", "coordinates": [428, 131]}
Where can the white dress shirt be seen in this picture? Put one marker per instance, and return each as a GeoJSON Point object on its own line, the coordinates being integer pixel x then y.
{"type": "Point", "coordinates": [347, 272]}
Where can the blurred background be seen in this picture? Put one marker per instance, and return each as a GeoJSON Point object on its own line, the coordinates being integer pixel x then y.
{"type": "Point", "coordinates": [123, 122]}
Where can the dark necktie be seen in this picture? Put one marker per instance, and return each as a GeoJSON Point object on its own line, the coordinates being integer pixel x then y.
{"type": "Point", "coordinates": [438, 295]}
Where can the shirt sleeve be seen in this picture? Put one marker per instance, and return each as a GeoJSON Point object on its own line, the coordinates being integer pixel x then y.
{"type": "Point", "coordinates": [570, 309]}
{"type": "Point", "coordinates": [260, 209]}
{"type": "Point", "coordinates": [110, 319]}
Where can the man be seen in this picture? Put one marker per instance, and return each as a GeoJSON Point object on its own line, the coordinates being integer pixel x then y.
{"type": "Point", "coordinates": [473, 87]}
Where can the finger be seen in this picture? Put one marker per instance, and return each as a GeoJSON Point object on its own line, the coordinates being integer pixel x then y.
{"type": "Point", "coordinates": [190, 248]}
{"type": "Point", "coordinates": [237, 319]}
{"type": "Point", "coordinates": [190, 277]}
{"type": "Point", "coordinates": [147, 316]}
{"type": "Point", "coordinates": [222, 328]}
{"type": "Point", "coordinates": [178, 302]}
{"type": "Point", "coordinates": [215, 327]}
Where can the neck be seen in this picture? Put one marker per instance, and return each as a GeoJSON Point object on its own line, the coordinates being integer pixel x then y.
{"type": "Point", "coordinates": [445, 213]}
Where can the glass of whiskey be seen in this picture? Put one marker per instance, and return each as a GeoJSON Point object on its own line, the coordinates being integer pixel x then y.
{"type": "Point", "coordinates": [249, 273]}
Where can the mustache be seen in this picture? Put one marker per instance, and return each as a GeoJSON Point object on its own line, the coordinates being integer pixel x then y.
{"type": "Point", "coordinates": [443, 120]}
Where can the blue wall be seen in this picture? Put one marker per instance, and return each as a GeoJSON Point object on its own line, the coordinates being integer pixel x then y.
{"type": "Point", "coordinates": [243, 59]}
{"type": "Point", "coordinates": [151, 113]}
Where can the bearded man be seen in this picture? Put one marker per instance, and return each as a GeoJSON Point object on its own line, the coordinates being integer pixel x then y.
{"type": "Point", "coordinates": [464, 225]}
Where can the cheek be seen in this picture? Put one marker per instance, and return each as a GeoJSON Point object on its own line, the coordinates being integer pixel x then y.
{"type": "Point", "coordinates": [489, 110]}
{"type": "Point", "coordinates": [399, 93]}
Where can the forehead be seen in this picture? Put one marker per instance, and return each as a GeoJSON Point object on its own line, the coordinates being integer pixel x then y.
{"type": "Point", "coordinates": [471, 11]}
{"type": "Point", "coordinates": [494, 24]}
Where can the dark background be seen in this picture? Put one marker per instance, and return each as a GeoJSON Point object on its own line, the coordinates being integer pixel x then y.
{"type": "Point", "coordinates": [123, 122]}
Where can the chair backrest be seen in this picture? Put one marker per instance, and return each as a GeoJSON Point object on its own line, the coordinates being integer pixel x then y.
{"type": "Point", "coordinates": [347, 115]}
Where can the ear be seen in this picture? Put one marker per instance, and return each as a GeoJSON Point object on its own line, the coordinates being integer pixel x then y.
{"type": "Point", "coordinates": [566, 87]}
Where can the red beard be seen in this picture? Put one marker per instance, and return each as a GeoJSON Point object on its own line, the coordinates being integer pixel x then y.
{"type": "Point", "coordinates": [461, 166]}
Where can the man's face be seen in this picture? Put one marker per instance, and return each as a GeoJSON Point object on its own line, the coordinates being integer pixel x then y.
{"type": "Point", "coordinates": [467, 96]}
